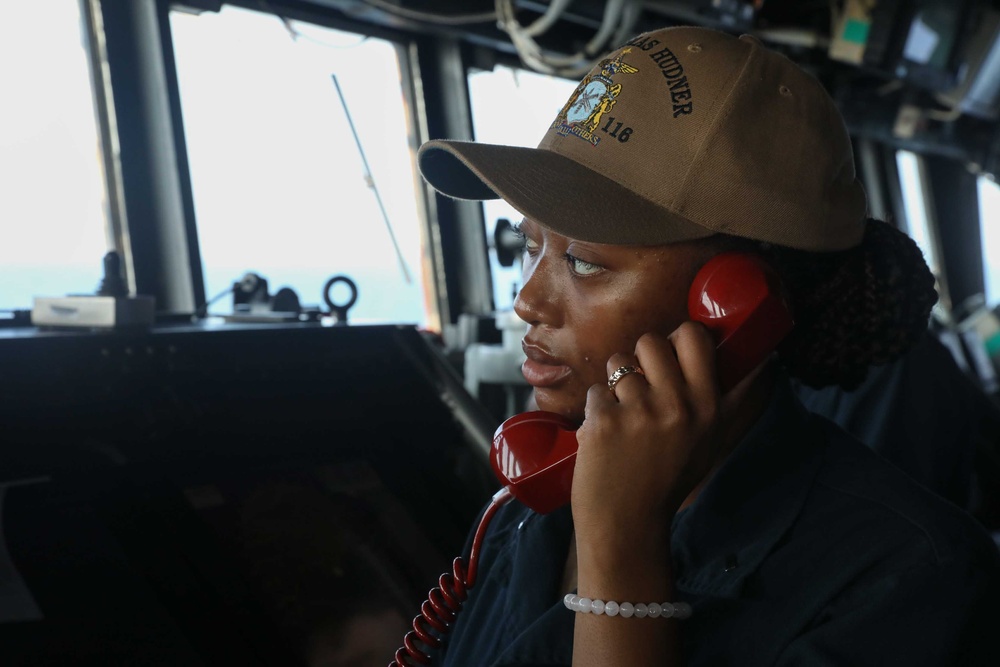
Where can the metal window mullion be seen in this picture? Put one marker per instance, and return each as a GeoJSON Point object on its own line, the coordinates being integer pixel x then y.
{"type": "Point", "coordinates": [104, 111]}
{"type": "Point", "coordinates": [440, 76]}
{"type": "Point", "coordinates": [159, 236]}
{"type": "Point", "coordinates": [933, 232]}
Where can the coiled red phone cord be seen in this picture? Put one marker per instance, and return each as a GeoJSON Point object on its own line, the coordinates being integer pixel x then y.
{"type": "Point", "coordinates": [438, 612]}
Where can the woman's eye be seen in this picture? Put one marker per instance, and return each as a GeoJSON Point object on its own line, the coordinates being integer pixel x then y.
{"type": "Point", "coordinates": [529, 245]}
{"type": "Point", "coordinates": [582, 268]}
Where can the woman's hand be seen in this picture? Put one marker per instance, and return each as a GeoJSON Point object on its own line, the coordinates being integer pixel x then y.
{"type": "Point", "coordinates": [643, 449]}
{"type": "Point", "coordinates": [646, 446]}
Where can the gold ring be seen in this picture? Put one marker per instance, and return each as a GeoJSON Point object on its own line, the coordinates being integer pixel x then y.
{"type": "Point", "coordinates": [621, 372]}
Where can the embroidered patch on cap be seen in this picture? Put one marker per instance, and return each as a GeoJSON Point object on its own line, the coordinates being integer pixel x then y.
{"type": "Point", "coordinates": [592, 100]}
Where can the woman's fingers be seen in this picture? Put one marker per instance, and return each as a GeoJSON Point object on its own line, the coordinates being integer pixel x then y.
{"type": "Point", "coordinates": [681, 364]}
{"type": "Point", "coordinates": [695, 349]}
{"type": "Point", "coordinates": [626, 376]}
{"type": "Point", "coordinates": [599, 399]}
{"type": "Point", "coordinates": [657, 357]}
{"type": "Point", "coordinates": [654, 437]}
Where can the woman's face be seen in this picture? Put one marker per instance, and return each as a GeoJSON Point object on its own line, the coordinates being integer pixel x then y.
{"type": "Point", "coordinates": [585, 301]}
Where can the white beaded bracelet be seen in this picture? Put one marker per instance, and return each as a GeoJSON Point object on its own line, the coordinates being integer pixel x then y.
{"type": "Point", "coordinates": [678, 610]}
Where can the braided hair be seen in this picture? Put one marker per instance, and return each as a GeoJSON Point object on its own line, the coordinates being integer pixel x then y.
{"type": "Point", "coordinates": [853, 308]}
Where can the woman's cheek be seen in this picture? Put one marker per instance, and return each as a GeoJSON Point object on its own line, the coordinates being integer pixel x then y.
{"type": "Point", "coordinates": [593, 367]}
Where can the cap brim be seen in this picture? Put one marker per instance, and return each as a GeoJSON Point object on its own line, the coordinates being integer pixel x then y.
{"type": "Point", "coordinates": [554, 191]}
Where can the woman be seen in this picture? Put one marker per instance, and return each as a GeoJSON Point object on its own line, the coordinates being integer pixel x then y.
{"type": "Point", "coordinates": [791, 542]}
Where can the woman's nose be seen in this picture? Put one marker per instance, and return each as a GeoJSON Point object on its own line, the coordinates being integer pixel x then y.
{"type": "Point", "coordinates": [536, 301]}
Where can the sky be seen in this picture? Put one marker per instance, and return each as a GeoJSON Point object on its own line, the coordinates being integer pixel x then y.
{"type": "Point", "coordinates": [52, 215]}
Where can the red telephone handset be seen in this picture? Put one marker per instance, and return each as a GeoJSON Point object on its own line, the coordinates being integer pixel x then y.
{"type": "Point", "coordinates": [736, 295]}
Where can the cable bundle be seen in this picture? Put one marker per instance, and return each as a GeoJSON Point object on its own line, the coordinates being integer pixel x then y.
{"type": "Point", "coordinates": [620, 18]}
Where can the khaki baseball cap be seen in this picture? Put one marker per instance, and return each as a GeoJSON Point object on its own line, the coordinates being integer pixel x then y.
{"type": "Point", "coordinates": [680, 134]}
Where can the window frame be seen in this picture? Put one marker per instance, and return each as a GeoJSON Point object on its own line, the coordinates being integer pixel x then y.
{"type": "Point", "coordinates": [158, 226]}
{"type": "Point", "coordinates": [929, 239]}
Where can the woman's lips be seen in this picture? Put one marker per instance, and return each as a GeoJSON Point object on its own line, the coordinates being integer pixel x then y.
{"type": "Point", "coordinates": [541, 369]}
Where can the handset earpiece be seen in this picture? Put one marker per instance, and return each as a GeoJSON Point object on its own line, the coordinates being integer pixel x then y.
{"type": "Point", "coordinates": [739, 297]}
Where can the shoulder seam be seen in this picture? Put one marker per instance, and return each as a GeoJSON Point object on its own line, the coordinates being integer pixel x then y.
{"type": "Point", "coordinates": [938, 558]}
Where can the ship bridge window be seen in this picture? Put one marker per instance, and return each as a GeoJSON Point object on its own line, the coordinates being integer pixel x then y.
{"type": "Point", "coordinates": [299, 144]}
{"type": "Point", "coordinates": [53, 209]}
{"type": "Point", "coordinates": [536, 100]}
{"type": "Point", "coordinates": [989, 226]}
{"type": "Point", "coordinates": [918, 212]}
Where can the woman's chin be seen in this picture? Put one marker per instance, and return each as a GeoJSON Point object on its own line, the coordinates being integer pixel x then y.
{"type": "Point", "coordinates": [559, 402]}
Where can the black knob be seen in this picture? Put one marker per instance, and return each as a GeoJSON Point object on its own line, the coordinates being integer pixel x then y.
{"type": "Point", "coordinates": [113, 282]}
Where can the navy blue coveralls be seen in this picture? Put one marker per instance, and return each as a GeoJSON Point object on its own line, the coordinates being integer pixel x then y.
{"type": "Point", "coordinates": [805, 548]}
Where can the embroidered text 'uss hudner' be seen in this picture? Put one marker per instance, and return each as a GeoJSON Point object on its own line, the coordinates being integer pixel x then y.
{"type": "Point", "coordinates": [673, 72]}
